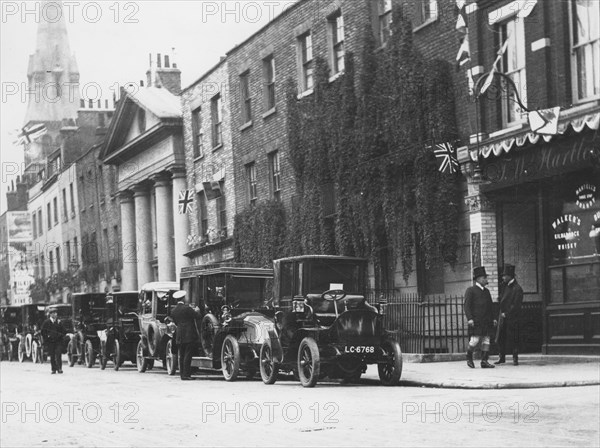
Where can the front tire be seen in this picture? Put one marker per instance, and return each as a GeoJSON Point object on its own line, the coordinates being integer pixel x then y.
{"type": "Point", "coordinates": [35, 352]}
{"type": "Point", "coordinates": [117, 355]}
{"type": "Point", "coordinates": [70, 356]}
{"type": "Point", "coordinates": [309, 362]}
{"type": "Point", "coordinates": [171, 358]}
{"type": "Point", "coordinates": [103, 356]}
{"type": "Point", "coordinates": [142, 362]}
{"type": "Point", "coordinates": [90, 355]}
{"type": "Point", "coordinates": [268, 366]}
{"type": "Point", "coordinates": [391, 370]}
{"type": "Point", "coordinates": [230, 358]}
{"type": "Point", "coordinates": [21, 352]}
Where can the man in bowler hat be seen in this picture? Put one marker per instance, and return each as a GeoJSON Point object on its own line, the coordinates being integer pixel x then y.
{"type": "Point", "coordinates": [478, 308]}
{"type": "Point", "coordinates": [510, 311]}
{"type": "Point", "coordinates": [186, 335]}
{"type": "Point", "coordinates": [53, 333]}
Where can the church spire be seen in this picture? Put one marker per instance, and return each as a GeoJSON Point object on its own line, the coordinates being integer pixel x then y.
{"type": "Point", "coordinates": [52, 74]}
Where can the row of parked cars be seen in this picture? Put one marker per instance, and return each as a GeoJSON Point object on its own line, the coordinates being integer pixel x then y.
{"type": "Point", "coordinates": [308, 317]}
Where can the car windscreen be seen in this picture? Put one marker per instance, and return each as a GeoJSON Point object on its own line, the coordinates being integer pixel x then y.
{"type": "Point", "coordinates": [163, 304]}
{"type": "Point", "coordinates": [334, 274]}
{"type": "Point", "coordinates": [127, 304]}
{"type": "Point", "coordinates": [90, 306]}
{"type": "Point", "coordinates": [246, 292]}
{"type": "Point", "coordinates": [12, 316]}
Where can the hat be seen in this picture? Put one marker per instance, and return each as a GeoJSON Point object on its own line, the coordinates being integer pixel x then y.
{"type": "Point", "coordinates": [509, 270]}
{"type": "Point", "coordinates": [479, 272]}
{"type": "Point", "coordinates": [179, 295]}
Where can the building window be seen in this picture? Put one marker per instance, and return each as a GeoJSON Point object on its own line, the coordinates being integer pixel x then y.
{"type": "Point", "coordinates": [429, 10]}
{"type": "Point", "coordinates": [202, 214]}
{"type": "Point", "coordinates": [68, 247]}
{"type": "Point", "coordinates": [197, 133]}
{"type": "Point", "coordinates": [385, 20]}
{"type": "Point", "coordinates": [58, 264]}
{"type": "Point", "coordinates": [586, 48]}
{"type": "Point", "coordinates": [40, 222]}
{"type": "Point", "coordinates": [269, 82]}
{"type": "Point", "coordinates": [75, 250]}
{"type": "Point", "coordinates": [306, 60]}
{"type": "Point", "coordinates": [65, 205]}
{"type": "Point", "coordinates": [513, 65]}
{"type": "Point", "coordinates": [222, 213]}
{"type": "Point", "coordinates": [49, 214]}
{"type": "Point", "coordinates": [251, 176]}
{"type": "Point", "coordinates": [246, 97]}
{"type": "Point", "coordinates": [275, 175]}
{"type": "Point", "coordinates": [43, 266]}
{"type": "Point", "coordinates": [216, 116]}
{"type": "Point", "coordinates": [51, 261]}
{"type": "Point", "coordinates": [34, 224]}
{"type": "Point", "coordinates": [72, 199]}
{"type": "Point", "coordinates": [117, 247]}
{"type": "Point", "coordinates": [336, 25]}
{"type": "Point", "coordinates": [55, 201]}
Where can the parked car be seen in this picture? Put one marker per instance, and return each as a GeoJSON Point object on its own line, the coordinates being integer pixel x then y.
{"type": "Point", "coordinates": [237, 316]}
{"type": "Point", "coordinates": [156, 333]}
{"type": "Point", "coordinates": [88, 322]}
{"type": "Point", "coordinates": [122, 335]}
{"type": "Point", "coordinates": [29, 339]}
{"type": "Point", "coordinates": [325, 327]}
{"type": "Point", "coordinates": [10, 327]}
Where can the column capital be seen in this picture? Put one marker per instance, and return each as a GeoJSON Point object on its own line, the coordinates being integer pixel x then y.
{"type": "Point", "coordinates": [125, 196]}
{"type": "Point", "coordinates": [178, 173]}
{"type": "Point", "coordinates": [161, 179]}
{"type": "Point", "coordinates": [141, 189]}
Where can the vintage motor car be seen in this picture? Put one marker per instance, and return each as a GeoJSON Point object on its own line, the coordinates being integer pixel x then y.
{"type": "Point", "coordinates": [156, 333]}
{"type": "Point", "coordinates": [237, 315]}
{"type": "Point", "coordinates": [119, 341]}
{"type": "Point", "coordinates": [11, 326]}
{"type": "Point", "coordinates": [29, 339]}
{"type": "Point", "coordinates": [65, 316]}
{"type": "Point", "coordinates": [88, 323]}
{"type": "Point", "coordinates": [324, 326]}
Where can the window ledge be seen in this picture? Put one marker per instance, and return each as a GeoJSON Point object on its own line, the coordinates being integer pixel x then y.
{"type": "Point", "coordinates": [508, 130]}
{"type": "Point", "coordinates": [580, 106]}
{"type": "Point", "coordinates": [336, 76]}
{"type": "Point", "coordinates": [246, 126]}
{"type": "Point", "coordinates": [425, 24]}
{"type": "Point", "coordinates": [270, 112]}
{"type": "Point", "coordinates": [219, 146]}
{"type": "Point", "coordinates": [199, 158]}
{"type": "Point", "coordinates": [305, 93]}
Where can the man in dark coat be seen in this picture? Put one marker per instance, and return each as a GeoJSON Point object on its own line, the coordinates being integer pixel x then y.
{"type": "Point", "coordinates": [510, 313]}
{"type": "Point", "coordinates": [478, 308]}
{"type": "Point", "coordinates": [186, 335]}
{"type": "Point", "coordinates": [53, 333]}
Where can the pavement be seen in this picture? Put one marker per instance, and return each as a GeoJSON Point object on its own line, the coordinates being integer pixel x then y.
{"type": "Point", "coordinates": [534, 371]}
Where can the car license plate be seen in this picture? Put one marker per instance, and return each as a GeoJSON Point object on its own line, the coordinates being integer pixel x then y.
{"type": "Point", "coordinates": [359, 349]}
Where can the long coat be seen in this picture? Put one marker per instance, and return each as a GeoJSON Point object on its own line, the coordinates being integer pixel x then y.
{"type": "Point", "coordinates": [53, 332]}
{"type": "Point", "coordinates": [185, 319]}
{"type": "Point", "coordinates": [478, 306]}
{"type": "Point", "coordinates": [510, 305]}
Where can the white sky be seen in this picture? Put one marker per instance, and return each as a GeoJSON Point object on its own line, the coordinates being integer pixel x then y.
{"type": "Point", "coordinates": [113, 48]}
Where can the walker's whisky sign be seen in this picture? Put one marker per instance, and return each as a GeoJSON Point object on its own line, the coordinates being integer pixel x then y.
{"type": "Point", "coordinates": [538, 161]}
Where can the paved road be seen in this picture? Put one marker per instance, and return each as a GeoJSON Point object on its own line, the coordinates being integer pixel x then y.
{"type": "Point", "coordinates": [90, 407]}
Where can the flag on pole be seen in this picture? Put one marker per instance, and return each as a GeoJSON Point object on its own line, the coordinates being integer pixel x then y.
{"type": "Point", "coordinates": [464, 52]}
{"type": "Point", "coordinates": [445, 154]}
{"type": "Point", "coordinates": [186, 201]}
{"type": "Point", "coordinates": [28, 135]}
{"type": "Point", "coordinates": [544, 121]}
{"type": "Point", "coordinates": [212, 189]}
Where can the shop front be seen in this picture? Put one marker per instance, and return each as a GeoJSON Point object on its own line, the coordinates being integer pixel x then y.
{"type": "Point", "coordinates": [546, 196]}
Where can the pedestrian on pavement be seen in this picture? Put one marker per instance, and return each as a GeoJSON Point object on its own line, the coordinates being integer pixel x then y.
{"type": "Point", "coordinates": [53, 333]}
{"type": "Point", "coordinates": [186, 335]}
{"type": "Point", "coordinates": [509, 319]}
{"type": "Point", "coordinates": [478, 308]}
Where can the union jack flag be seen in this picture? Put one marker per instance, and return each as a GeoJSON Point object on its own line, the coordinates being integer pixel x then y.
{"type": "Point", "coordinates": [186, 201]}
{"type": "Point", "coordinates": [27, 135]}
{"type": "Point", "coordinates": [445, 154]}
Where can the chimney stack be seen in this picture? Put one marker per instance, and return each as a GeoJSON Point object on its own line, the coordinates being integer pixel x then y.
{"type": "Point", "coordinates": [164, 73]}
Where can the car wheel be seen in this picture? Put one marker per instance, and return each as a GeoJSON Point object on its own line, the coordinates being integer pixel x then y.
{"type": "Point", "coordinates": [208, 329]}
{"type": "Point", "coordinates": [90, 354]}
{"type": "Point", "coordinates": [103, 355]}
{"type": "Point", "coordinates": [390, 370]}
{"type": "Point", "coordinates": [149, 364]}
{"type": "Point", "coordinates": [171, 359]}
{"type": "Point", "coordinates": [309, 362]}
{"type": "Point", "coordinates": [21, 352]}
{"type": "Point", "coordinates": [268, 366]}
{"type": "Point", "coordinates": [230, 358]}
{"type": "Point", "coordinates": [117, 355]}
{"type": "Point", "coordinates": [142, 362]}
{"type": "Point", "coordinates": [35, 352]}
{"type": "Point", "coordinates": [28, 345]}
{"type": "Point", "coordinates": [70, 356]}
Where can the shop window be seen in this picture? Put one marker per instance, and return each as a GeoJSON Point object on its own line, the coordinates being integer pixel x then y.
{"type": "Point", "coordinates": [513, 65]}
{"type": "Point", "coordinates": [585, 51]}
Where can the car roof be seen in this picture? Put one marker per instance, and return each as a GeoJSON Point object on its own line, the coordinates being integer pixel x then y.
{"type": "Point", "coordinates": [122, 293]}
{"type": "Point", "coordinates": [321, 257]}
{"type": "Point", "coordinates": [198, 271]}
{"type": "Point", "coordinates": [160, 286]}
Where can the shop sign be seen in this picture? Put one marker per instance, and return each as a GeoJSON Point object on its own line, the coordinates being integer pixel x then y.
{"type": "Point", "coordinates": [566, 231]}
{"type": "Point", "coordinates": [586, 196]}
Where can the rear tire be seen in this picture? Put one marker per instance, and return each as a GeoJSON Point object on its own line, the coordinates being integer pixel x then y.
{"type": "Point", "coordinates": [90, 354]}
{"type": "Point", "coordinates": [391, 371]}
{"type": "Point", "coordinates": [35, 352]}
{"type": "Point", "coordinates": [21, 352]}
{"type": "Point", "coordinates": [309, 362]}
{"type": "Point", "coordinates": [103, 355]}
{"type": "Point", "coordinates": [171, 358]}
{"type": "Point", "coordinates": [142, 362]}
{"type": "Point", "coordinates": [117, 355]}
{"type": "Point", "coordinates": [268, 366]}
{"type": "Point", "coordinates": [70, 356]}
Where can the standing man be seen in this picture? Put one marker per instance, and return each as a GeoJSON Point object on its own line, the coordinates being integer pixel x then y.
{"type": "Point", "coordinates": [478, 309]}
{"type": "Point", "coordinates": [53, 333]}
{"type": "Point", "coordinates": [510, 313]}
{"type": "Point", "coordinates": [186, 334]}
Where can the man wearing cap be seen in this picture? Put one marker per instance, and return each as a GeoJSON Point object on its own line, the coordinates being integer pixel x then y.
{"type": "Point", "coordinates": [478, 308]}
{"type": "Point", "coordinates": [510, 311]}
{"type": "Point", "coordinates": [186, 334]}
{"type": "Point", "coordinates": [53, 333]}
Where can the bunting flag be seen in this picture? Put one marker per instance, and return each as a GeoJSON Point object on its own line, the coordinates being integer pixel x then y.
{"type": "Point", "coordinates": [544, 121]}
{"type": "Point", "coordinates": [186, 201]}
{"type": "Point", "coordinates": [28, 135]}
{"type": "Point", "coordinates": [212, 190]}
{"type": "Point", "coordinates": [464, 52]}
{"type": "Point", "coordinates": [490, 78]}
{"type": "Point", "coordinates": [445, 154]}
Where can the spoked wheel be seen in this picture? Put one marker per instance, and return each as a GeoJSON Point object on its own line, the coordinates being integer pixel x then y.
{"type": "Point", "coordinates": [90, 354]}
{"type": "Point", "coordinates": [70, 356]}
{"type": "Point", "coordinates": [309, 362]}
{"type": "Point", "coordinates": [35, 352]}
{"type": "Point", "coordinates": [390, 370]}
{"type": "Point", "coordinates": [103, 355]}
{"type": "Point", "coordinates": [21, 352]}
{"type": "Point", "coordinates": [117, 355]}
{"type": "Point", "coordinates": [230, 358]}
{"type": "Point", "coordinates": [268, 367]}
{"type": "Point", "coordinates": [171, 359]}
{"type": "Point", "coordinates": [142, 362]}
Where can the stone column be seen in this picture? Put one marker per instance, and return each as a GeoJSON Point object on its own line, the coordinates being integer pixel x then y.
{"type": "Point", "coordinates": [129, 278]}
{"type": "Point", "coordinates": [181, 223]}
{"type": "Point", "coordinates": [164, 227]}
{"type": "Point", "coordinates": [143, 223]}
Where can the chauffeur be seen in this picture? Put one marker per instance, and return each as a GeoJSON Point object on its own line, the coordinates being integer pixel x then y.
{"type": "Point", "coordinates": [53, 333]}
{"type": "Point", "coordinates": [186, 335]}
{"type": "Point", "coordinates": [478, 308]}
{"type": "Point", "coordinates": [510, 310]}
